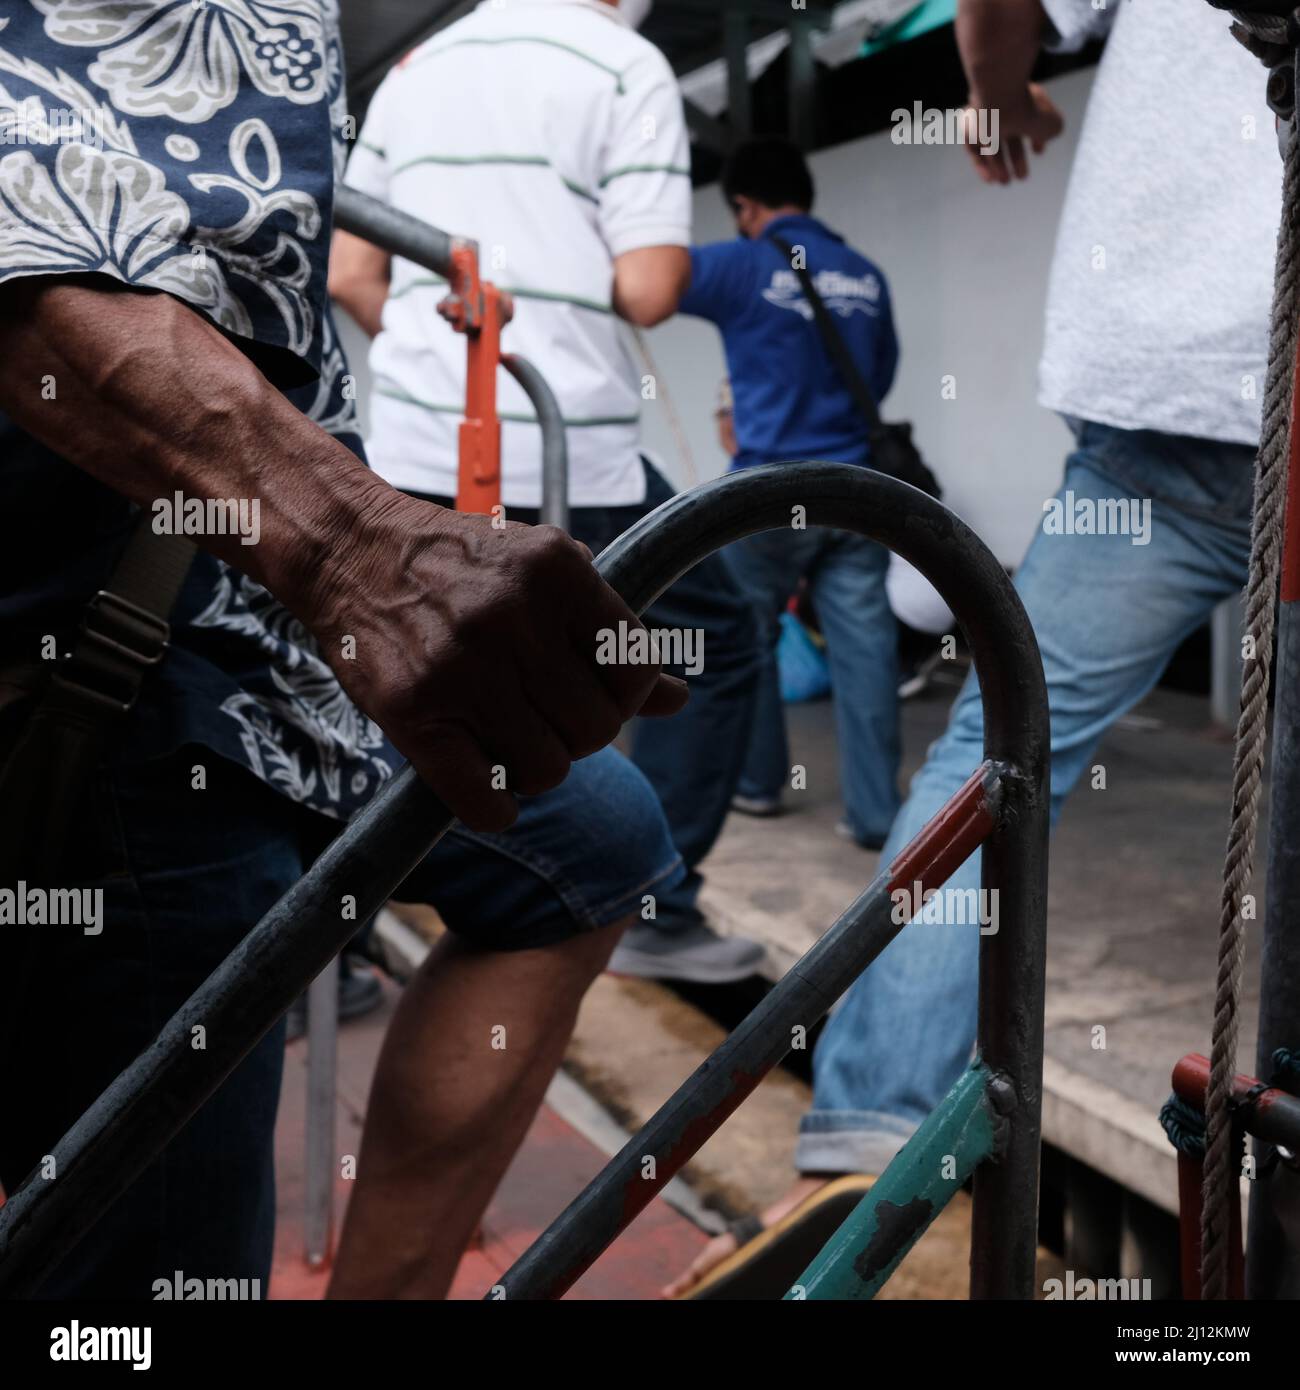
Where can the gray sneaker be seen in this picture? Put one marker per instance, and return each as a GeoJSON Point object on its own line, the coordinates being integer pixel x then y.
{"type": "Point", "coordinates": [697, 954]}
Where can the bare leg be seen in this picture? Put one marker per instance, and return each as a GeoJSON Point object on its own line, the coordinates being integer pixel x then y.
{"type": "Point", "coordinates": [469, 1054]}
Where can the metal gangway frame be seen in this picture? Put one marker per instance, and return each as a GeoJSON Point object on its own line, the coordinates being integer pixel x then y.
{"type": "Point", "coordinates": [988, 1125]}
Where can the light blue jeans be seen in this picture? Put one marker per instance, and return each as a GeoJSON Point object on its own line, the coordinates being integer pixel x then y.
{"type": "Point", "coordinates": [1108, 614]}
{"type": "Point", "coordinates": [846, 578]}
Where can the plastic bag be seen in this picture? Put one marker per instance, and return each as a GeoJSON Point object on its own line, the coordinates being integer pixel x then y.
{"type": "Point", "coordinates": [805, 672]}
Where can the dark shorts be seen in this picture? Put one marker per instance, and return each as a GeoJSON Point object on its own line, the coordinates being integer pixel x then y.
{"type": "Point", "coordinates": [185, 873]}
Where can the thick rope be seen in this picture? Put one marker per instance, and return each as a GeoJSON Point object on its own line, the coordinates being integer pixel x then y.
{"type": "Point", "coordinates": [1221, 1178]}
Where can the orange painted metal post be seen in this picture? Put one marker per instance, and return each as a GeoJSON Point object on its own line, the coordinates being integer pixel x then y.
{"type": "Point", "coordinates": [475, 309]}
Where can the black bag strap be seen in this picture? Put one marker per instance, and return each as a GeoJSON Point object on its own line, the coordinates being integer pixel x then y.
{"type": "Point", "coordinates": [835, 345]}
{"type": "Point", "coordinates": [125, 629]}
{"type": "Point", "coordinates": [125, 632]}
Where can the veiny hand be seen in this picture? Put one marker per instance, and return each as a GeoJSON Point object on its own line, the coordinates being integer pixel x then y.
{"type": "Point", "coordinates": [1033, 118]}
{"type": "Point", "coordinates": [475, 650]}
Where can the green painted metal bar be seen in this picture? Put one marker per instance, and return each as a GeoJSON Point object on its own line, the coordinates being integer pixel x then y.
{"type": "Point", "coordinates": [957, 1136]}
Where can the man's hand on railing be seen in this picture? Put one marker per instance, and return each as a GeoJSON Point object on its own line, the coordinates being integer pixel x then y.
{"type": "Point", "coordinates": [451, 307]}
{"type": "Point", "coordinates": [475, 648]}
{"type": "Point", "coordinates": [472, 645]}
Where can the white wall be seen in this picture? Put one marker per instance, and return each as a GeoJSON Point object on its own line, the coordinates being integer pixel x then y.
{"type": "Point", "coordinates": [967, 266]}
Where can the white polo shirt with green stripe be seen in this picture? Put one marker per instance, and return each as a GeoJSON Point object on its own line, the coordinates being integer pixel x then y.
{"type": "Point", "coordinates": [553, 134]}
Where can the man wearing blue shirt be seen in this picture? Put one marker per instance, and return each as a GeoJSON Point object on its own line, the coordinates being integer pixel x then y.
{"type": "Point", "coordinates": [791, 402]}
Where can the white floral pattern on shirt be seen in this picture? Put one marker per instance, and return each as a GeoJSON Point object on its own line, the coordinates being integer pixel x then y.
{"type": "Point", "coordinates": [209, 136]}
{"type": "Point", "coordinates": [186, 61]}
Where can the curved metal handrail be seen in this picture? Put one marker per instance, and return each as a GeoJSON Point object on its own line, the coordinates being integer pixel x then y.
{"type": "Point", "coordinates": [396, 231]}
{"type": "Point", "coordinates": [555, 448]}
{"type": "Point", "coordinates": [139, 1113]}
{"type": "Point", "coordinates": [1010, 795]}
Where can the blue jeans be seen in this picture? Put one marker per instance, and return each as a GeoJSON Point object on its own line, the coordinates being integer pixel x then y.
{"type": "Point", "coordinates": [184, 873]}
{"type": "Point", "coordinates": [846, 577]}
{"type": "Point", "coordinates": [1108, 615]}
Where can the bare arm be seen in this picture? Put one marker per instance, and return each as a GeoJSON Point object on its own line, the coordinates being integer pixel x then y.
{"type": "Point", "coordinates": [358, 279]}
{"type": "Point", "coordinates": [475, 645]}
{"type": "Point", "coordinates": [999, 42]}
{"type": "Point", "coordinates": [649, 283]}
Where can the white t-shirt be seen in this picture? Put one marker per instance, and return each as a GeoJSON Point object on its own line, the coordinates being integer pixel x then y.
{"type": "Point", "coordinates": [1158, 309]}
{"type": "Point", "coordinates": [552, 134]}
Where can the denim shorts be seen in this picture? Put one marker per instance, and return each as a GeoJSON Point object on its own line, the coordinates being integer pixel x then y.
{"type": "Point", "coordinates": [185, 872]}
{"type": "Point", "coordinates": [580, 857]}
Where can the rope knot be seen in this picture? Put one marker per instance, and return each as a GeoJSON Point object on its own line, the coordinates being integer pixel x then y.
{"type": "Point", "coordinates": [1270, 29]}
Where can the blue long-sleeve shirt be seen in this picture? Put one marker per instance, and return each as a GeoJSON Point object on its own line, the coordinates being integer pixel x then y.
{"type": "Point", "coordinates": [790, 401]}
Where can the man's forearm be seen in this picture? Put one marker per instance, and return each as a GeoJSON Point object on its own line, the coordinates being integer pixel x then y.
{"type": "Point", "coordinates": [649, 283]}
{"type": "Point", "coordinates": [468, 639]}
{"type": "Point", "coordinates": [999, 42]}
{"type": "Point", "coordinates": [364, 300]}
{"type": "Point", "coordinates": [149, 398]}
{"type": "Point", "coordinates": [359, 279]}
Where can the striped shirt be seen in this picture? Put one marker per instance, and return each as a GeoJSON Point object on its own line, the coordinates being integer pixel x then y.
{"type": "Point", "coordinates": [552, 134]}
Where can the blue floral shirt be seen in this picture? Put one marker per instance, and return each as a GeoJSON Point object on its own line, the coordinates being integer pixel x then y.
{"type": "Point", "coordinates": [191, 149]}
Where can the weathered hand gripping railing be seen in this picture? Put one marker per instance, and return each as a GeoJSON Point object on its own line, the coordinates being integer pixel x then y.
{"type": "Point", "coordinates": [989, 1122]}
